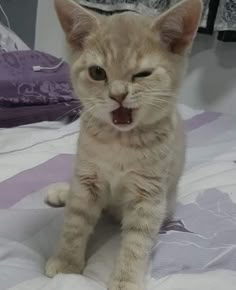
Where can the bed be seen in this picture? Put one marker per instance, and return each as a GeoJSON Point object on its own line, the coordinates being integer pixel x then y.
{"type": "Point", "coordinates": [197, 250]}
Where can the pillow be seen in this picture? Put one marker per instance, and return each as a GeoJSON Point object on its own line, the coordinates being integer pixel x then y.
{"type": "Point", "coordinates": [35, 87]}
{"type": "Point", "coordinates": [21, 85]}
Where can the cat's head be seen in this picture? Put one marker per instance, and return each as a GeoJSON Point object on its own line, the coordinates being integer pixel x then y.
{"type": "Point", "coordinates": [127, 68]}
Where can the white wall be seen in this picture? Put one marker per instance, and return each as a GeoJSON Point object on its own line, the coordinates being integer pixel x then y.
{"type": "Point", "coordinates": [211, 79]}
{"type": "Point", "coordinates": [49, 35]}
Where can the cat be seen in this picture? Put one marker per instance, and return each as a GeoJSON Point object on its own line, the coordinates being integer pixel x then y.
{"type": "Point", "coordinates": [127, 69]}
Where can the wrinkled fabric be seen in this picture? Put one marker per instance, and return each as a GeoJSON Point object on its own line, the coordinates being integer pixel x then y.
{"type": "Point", "coordinates": [28, 96]}
{"type": "Point", "coordinates": [196, 250]}
{"type": "Point", "coordinates": [226, 17]}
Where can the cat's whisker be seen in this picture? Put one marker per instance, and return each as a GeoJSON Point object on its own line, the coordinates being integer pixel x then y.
{"type": "Point", "coordinates": [160, 97]}
{"type": "Point", "coordinates": [76, 116]}
{"type": "Point", "coordinates": [159, 94]}
{"type": "Point", "coordinates": [68, 112]}
{"type": "Point", "coordinates": [157, 103]}
{"type": "Point", "coordinates": [164, 92]}
{"type": "Point", "coordinates": [86, 113]}
{"type": "Point", "coordinates": [90, 119]}
{"type": "Point", "coordinates": [152, 104]}
{"type": "Point", "coordinates": [79, 108]}
{"type": "Point", "coordinates": [85, 128]}
{"type": "Point", "coordinates": [176, 91]}
{"type": "Point", "coordinates": [168, 93]}
{"type": "Point", "coordinates": [160, 101]}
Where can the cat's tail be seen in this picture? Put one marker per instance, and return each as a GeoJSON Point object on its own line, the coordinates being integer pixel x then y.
{"type": "Point", "coordinates": [56, 194]}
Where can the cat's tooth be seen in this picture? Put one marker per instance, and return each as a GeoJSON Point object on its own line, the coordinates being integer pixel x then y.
{"type": "Point", "coordinates": [115, 121]}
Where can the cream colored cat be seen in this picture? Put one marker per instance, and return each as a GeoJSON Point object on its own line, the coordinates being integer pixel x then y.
{"type": "Point", "coordinates": [127, 69]}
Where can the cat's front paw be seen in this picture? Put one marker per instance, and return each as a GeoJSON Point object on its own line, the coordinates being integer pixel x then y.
{"type": "Point", "coordinates": [57, 194]}
{"type": "Point", "coordinates": [122, 285]}
{"type": "Point", "coordinates": [56, 265]}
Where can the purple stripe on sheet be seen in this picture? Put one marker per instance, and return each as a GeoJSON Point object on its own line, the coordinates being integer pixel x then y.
{"type": "Point", "coordinates": [57, 169]}
{"type": "Point", "coordinates": [211, 131]}
{"type": "Point", "coordinates": [200, 120]}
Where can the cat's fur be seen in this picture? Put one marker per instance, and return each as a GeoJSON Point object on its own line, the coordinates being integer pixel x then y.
{"type": "Point", "coordinates": [133, 170]}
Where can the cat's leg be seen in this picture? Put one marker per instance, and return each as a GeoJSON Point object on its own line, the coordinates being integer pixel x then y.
{"type": "Point", "coordinates": [141, 223]}
{"type": "Point", "coordinates": [82, 211]}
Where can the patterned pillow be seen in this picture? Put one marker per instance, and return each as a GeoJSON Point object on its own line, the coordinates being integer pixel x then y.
{"type": "Point", "coordinates": [29, 96]}
{"type": "Point", "coordinates": [21, 85]}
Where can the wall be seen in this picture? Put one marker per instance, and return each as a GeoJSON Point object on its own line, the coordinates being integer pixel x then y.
{"type": "Point", "coordinates": [211, 78]}
{"type": "Point", "coordinates": [210, 82]}
{"type": "Point", "coordinates": [22, 15]}
{"type": "Point", "coordinates": [49, 36]}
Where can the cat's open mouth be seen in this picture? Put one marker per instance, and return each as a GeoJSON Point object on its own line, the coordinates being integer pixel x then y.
{"type": "Point", "coordinates": [122, 116]}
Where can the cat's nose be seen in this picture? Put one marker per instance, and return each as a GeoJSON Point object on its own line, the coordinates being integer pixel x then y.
{"type": "Point", "coordinates": [119, 97]}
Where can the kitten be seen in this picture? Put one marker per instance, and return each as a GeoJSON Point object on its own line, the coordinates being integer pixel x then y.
{"type": "Point", "coordinates": [127, 69]}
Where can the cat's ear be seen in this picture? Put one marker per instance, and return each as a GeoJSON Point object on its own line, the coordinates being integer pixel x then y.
{"type": "Point", "coordinates": [76, 21]}
{"type": "Point", "coordinates": [178, 26]}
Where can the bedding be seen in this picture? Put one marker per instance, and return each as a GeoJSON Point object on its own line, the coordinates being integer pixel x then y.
{"type": "Point", "coordinates": [15, 116]}
{"type": "Point", "coordinates": [197, 250]}
{"type": "Point", "coordinates": [34, 87]}
{"type": "Point", "coordinates": [9, 41]}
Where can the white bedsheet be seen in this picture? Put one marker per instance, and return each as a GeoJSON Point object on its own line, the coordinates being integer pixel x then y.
{"type": "Point", "coordinates": [197, 252]}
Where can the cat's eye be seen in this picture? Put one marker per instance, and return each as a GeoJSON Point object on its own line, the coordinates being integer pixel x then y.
{"type": "Point", "coordinates": [142, 74]}
{"type": "Point", "coordinates": [97, 73]}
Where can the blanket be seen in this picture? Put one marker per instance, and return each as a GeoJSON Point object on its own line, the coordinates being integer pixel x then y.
{"type": "Point", "coordinates": [197, 250]}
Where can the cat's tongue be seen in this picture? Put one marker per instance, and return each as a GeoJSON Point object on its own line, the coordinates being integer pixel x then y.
{"type": "Point", "coordinates": [122, 116]}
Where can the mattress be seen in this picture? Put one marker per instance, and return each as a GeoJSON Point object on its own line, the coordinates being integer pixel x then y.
{"type": "Point", "coordinates": [197, 250]}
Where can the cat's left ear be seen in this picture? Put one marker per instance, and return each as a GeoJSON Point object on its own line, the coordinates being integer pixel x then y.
{"type": "Point", "coordinates": [76, 21]}
{"type": "Point", "coordinates": [178, 26]}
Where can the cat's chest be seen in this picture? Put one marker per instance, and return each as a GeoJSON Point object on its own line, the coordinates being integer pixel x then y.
{"type": "Point", "coordinates": [113, 163]}
{"type": "Point", "coordinates": [116, 163]}
{"type": "Point", "coordinates": [116, 170]}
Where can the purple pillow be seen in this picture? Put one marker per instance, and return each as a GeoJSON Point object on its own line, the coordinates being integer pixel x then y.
{"type": "Point", "coordinates": [20, 85]}
{"type": "Point", "coordinates": [28, 96]}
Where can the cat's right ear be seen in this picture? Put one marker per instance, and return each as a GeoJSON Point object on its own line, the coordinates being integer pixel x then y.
{"type": "Point", "coordinates": [177, 27]}
{"type": "Point", "coordinates": [76, 21]}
